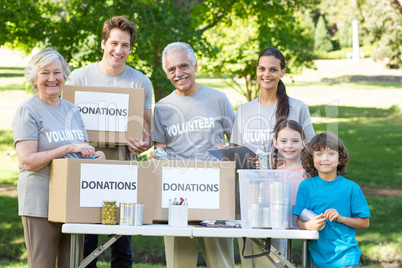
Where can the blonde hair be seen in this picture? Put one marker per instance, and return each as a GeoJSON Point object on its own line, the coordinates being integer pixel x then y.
{"type": "Point", "coordinates": [42, 60]}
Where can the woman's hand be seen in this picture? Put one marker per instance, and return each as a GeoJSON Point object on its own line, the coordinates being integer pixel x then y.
{"type": "Point", "coordinates": [84, 149]}
{"type": "Point", "coordinates": [32, 160]}
{"type": "Point", "coordinates": [221, 146]}
{"type": "Point", "coordinates": [99, 155]}
{"type": "Point", "coordinates": [254, 161]}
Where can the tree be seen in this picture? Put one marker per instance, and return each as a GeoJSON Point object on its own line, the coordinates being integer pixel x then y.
{"type": "Point", "coordinates": [257, 26]}
{"type": "Point", "coordinates": [322, 41]}
{"type": "Point", "coordinates": [384, 33]}
{"type": "Point", "coordinates": [74, 28]}
{"type": "Point", "coordinates": [346, 34]}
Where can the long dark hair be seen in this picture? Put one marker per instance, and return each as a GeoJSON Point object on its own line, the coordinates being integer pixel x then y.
{"type": "Point", "coordinates": [282, 108]}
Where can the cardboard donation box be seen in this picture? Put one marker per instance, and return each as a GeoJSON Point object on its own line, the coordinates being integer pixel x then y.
{"type": "Point", "coordinates": [78, 187]}
{"type": "Point", "coordinates": [208, 187]}
{"type": "Point", "coordinates": [111, 114]}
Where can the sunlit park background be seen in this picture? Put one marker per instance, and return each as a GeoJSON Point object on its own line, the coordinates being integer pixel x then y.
{"type": "Point", "coordinates": [344, 61]}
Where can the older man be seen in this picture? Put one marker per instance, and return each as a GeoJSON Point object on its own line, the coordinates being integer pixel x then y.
{"type": "Point", "coordinates": [187, 123]}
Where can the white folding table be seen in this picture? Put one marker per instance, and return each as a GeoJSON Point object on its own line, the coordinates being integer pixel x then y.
{"type": "Point", "coordinates": [116, 231]}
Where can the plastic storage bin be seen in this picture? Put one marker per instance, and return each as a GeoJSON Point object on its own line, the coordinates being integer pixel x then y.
{"type": "Point", "coordinates": [267, 198]}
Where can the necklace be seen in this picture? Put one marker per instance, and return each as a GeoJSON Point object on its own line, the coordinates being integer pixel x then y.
{"type": "Point", "coordinates": [269, 121]}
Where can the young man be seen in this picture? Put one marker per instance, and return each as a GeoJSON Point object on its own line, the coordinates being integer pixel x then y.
{"type": "Point", "coordinates": [190, 121]}
{"type": "Point", "coordinates": [118, 37]}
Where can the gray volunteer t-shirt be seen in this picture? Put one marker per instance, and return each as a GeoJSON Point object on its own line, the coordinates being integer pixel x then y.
{"type": "Point", "coordinates": [254, 124]}
{"type": "Point", "coordinates": [91, 75]}
{"type": "Point", "coordinates": [51, 127]}
{"type": "Point", "coordinates": [192, 125]}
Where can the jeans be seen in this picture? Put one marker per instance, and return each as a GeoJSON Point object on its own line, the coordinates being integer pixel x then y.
{"type": "Point", "coordinates": [121, 251]}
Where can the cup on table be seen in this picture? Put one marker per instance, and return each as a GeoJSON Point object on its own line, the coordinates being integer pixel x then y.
{"type": "Point", "coordinates": [264, 160]}
{"type": "Point", "coordinates": [178, 215]}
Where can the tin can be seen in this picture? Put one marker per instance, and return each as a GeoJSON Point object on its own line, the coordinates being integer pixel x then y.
{"type": "Point", "coordinates": [109, 212]}
{"type": "Point", "coordinates": [126, 214]}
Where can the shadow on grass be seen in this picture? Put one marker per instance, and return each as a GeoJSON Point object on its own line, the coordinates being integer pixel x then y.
{"type": "Point", "coordinates": [9, 72]}
{"type": "Point", "coordinates": [381, 242]}
{"type": "Point", "coordinates": [380, 79]}
{"type": "Point", "coordinates": [8, 75]}
{"type": "Point", "coordinates": [332, 111]}
{"type": "Point", "coordinates": [12, 245]}
{"type": "Point", "coordinates": [12, 87]}
{"type": "Point", "coordinates": [373, 148]}
{"type": "Point", "coordinates": [362, 85]}
{"type": "Point", "coordinates": [12, 68]}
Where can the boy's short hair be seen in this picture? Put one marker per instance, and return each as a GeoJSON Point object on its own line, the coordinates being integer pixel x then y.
{"type": "Point", "coordinates": [323, 141]}
{"type": "Point", "coordinates": [122, 23]}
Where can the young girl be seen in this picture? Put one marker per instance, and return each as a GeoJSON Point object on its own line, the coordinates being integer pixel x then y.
{"type": "Point", "coordinates": [339, 203]}
{"type": "Point", "coordinates": [289, 140]}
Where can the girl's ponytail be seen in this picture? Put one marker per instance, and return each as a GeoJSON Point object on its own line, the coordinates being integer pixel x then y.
{"type": "Point", "coordinates": [275, 159]}
{"type": "Point", "coordinates": [282, 110]}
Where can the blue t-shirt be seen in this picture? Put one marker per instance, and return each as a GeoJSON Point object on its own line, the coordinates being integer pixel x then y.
{"type": "Point", "coordinates": [336, 245]}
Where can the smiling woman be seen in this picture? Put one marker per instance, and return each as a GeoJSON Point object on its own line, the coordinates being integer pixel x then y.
{"type": "Point", "coordinates": [37, 125]}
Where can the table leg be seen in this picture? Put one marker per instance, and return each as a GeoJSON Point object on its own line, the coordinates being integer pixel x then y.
{"type": "Point", "coordinates": [305, 254]}
{"type": "Point", "coordinates": [74, 251]}
{"type": "Point", "coordinates": [98, 251]}
{"type": "Point", "coordinates": [289, 251]}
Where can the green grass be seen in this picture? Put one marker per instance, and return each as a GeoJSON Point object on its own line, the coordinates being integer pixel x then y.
{"type": "Point", "coordinates": [382, 241]}
{"type": "Point", "coordinates": [368, 51]}
{"type": "Point", "coordinates": [12, 87]}
{"type": "Point", "coordinates": [12, 246]}
{"type": "Point", "coordinates": [373, 138]}
{"type": "Point", "coordinates": [9, 161]}
{"type": "Point", "coordinates": [356, 85]}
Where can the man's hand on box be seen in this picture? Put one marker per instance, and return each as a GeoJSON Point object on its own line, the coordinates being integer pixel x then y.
{"type": "Point", "coordinates": [137, 146]}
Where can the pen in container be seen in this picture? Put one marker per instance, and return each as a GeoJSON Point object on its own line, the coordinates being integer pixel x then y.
{"type": "Point", "coordinates": [178, 202]}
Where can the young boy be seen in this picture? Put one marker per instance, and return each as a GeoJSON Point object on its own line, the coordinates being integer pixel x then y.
{"type": "Point", "coordinates": [339, 203]}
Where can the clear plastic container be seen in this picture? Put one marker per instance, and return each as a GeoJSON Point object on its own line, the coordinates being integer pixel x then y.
{"type": "Point", "coordinates": [267, 198]}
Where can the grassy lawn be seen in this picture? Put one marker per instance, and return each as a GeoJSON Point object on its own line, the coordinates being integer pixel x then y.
{"type": "Point", "coordinates": [372, 135]}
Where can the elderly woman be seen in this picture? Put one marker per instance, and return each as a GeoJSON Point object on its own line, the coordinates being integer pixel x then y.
{"type": "Point", "coordinates": [46, 127]}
